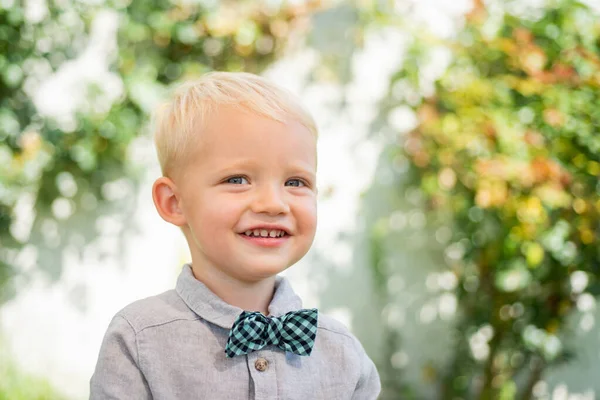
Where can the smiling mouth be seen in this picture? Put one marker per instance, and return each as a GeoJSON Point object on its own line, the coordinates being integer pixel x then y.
{"type": "Point", "coordinates": [265, 233]}
{"type": "Point", "coordinates": [265, 238]}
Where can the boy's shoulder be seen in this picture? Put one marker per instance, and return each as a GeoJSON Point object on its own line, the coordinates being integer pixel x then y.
{"type": "Point", "coordinates": [334, 334]}
{"type": "Point", "coordinates": [156, 310]}
{"type": "Point", "coordinates": [335, 328]}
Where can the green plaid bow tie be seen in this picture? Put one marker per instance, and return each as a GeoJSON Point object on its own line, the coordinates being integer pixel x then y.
{"type": "Point", "coordinates": [294, 332]}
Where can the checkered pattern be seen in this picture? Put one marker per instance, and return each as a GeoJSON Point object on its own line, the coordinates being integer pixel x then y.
{"type": "Point", "coordinates": [294, 332]}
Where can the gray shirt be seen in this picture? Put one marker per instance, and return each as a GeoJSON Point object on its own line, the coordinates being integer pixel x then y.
{"type": "Point", "coordinates": [172, 346]}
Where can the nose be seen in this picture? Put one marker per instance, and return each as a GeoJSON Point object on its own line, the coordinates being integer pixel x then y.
{"type": "Point", "coordinates": [269, 200]}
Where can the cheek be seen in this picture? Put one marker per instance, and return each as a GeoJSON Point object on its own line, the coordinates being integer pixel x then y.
{"type": "Point", "coordinates": [307, 216]}
{"type": "Point", "coordinates": [218, 219]}
{"type": "Point", "coordinates": [213, 227]}
{"type": "Point", "coordinates": [214, 215]}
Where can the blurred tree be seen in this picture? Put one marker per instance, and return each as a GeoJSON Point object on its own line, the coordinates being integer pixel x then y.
{"type": "Point", "coordinates": [506, 152]}
{"type": "Point", "coordinates": [65, 165]}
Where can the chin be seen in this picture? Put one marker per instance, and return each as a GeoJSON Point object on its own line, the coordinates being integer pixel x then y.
{"type": "Point", "coordinates": [262, 271]}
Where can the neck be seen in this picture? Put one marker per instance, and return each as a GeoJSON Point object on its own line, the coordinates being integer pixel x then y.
{"type": "Point", "coordinates": [249, 296]}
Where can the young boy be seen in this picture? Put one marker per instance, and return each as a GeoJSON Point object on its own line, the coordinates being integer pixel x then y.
{"type": "Point", "coordinates": [238, 157]}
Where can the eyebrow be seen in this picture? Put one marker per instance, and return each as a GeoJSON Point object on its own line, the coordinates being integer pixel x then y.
{"type": "Point", "coordinates": [243, 164]}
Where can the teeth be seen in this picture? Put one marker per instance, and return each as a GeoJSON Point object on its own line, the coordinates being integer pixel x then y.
{"type": "Point", "coordinates": [275, 233]}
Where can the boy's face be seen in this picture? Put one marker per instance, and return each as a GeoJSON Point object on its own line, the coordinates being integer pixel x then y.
{"type": "Point", "coordinates": [249, 174]}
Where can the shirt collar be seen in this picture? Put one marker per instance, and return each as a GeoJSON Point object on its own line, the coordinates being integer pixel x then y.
{"type": "Point", "coordinates": [214, 310]}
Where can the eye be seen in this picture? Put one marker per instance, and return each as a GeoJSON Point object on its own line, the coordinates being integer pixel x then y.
{"type": "Point", "coordinates": [295, 182]}
{"type": "Point", "coordinates": [237, 180]}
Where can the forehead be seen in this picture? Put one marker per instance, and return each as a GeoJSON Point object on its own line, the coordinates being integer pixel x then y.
{"type": "Point", "coordinates": [232, 133]}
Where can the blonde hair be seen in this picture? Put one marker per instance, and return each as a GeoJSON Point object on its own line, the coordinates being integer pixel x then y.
{"type": "Point", "coordinates": [180, 120]}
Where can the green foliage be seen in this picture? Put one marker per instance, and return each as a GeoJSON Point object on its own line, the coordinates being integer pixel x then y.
{"type": "Point", "coordinates": [62, 166]}
{"type": "Point", "coordinates": [16, 385]}
{"type": "Point", "coordinates": [507, 153]}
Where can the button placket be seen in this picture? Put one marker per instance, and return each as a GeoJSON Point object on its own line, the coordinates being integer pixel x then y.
{"type": "Point", "coordinates": [262, 370]}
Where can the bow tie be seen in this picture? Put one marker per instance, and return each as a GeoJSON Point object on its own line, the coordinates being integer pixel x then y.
{"type": "Point", "coordinates": [294, 332]}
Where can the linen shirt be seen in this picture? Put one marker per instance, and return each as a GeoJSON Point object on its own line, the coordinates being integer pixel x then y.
{"type": "Point", "coordinates": [172, 346]}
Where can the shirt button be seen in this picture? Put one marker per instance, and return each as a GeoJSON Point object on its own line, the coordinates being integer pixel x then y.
{"type": "Point", "coordinates": [261, 365]}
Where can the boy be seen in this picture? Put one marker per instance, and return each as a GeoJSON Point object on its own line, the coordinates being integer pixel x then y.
{"type": "Point", "coordinates": [238, 157]}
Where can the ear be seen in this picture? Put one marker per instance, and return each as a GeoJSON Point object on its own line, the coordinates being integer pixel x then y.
{"type": "Point", "coordinates": [166, 201]}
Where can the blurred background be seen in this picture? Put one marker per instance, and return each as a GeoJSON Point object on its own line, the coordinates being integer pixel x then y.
{"type": "Point", "coordinates": [459, 163]}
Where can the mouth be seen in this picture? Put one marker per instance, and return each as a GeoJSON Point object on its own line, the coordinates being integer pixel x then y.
{"type": "Point", "coordinates": [265, 233]}
{"type": "Point", "coordinates": [266, 237]}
